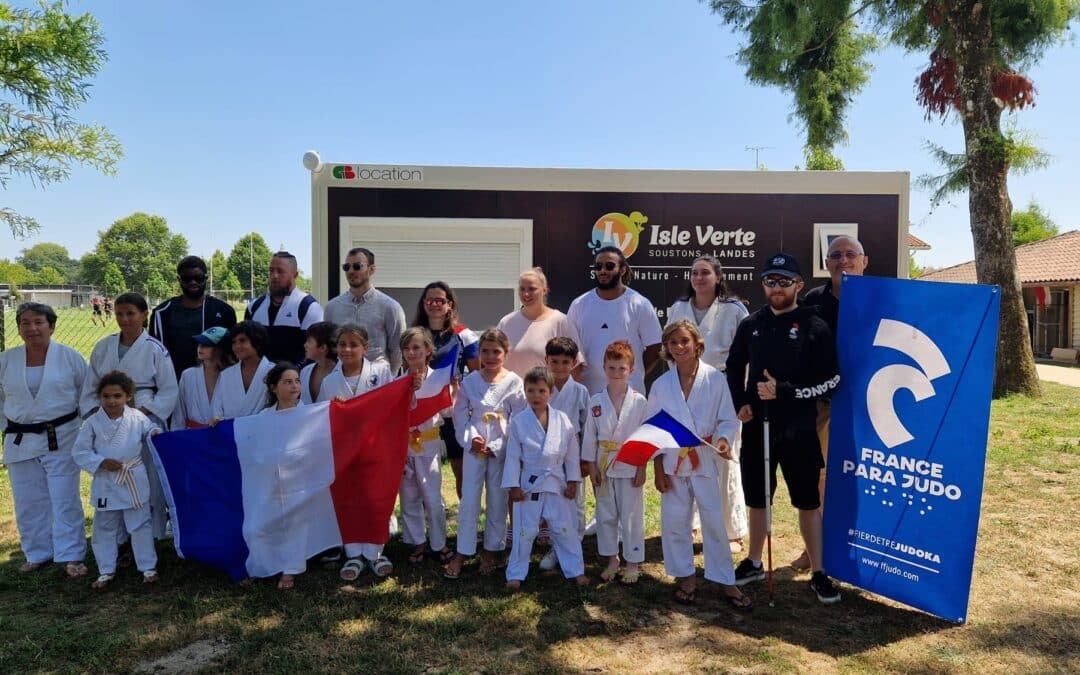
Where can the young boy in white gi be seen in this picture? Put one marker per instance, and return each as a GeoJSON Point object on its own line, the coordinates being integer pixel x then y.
{"type": "Point", "coordinates": [615, 413]}
{"type": "Point", "coordinates": [543, 473]}
{"type": "Point", "coordinates": [109, 447]}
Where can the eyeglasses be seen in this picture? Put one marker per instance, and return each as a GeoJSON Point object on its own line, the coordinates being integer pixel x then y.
{"type": "Point", "coordinates": [605, 266]}
{"type": "Point", "coordinates": [438, 302]}
{"type": "Point", "coordinates": [188, 279]}
{"type": "Point", "coordinates": [850, 255]}
{"type": "Point", "coordinates": [773, 282]}
{"type": "Point", "coordinates": [355, 267]}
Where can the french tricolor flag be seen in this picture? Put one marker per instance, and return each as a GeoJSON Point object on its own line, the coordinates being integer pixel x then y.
{"type": "Point", "coordinates": [256, 495]}
{"type": "Point", "coordinates": [433, 396]}
{"type": "Point", "coordinates": [659, 432]}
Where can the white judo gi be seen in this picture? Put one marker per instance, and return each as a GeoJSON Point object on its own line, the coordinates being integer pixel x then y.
{"type": "Point", "coordinates": [148, 364]}
{"type": "Point", "coordinates": [541, 463]}
{"type": "Point", "coordinates": [121, 499]}
{"type": "Point", "coordinates": [484, 409]}
{"type": "Point", "coordinates": [193, 408]}
{"type": "Point", "coordinates": [421, 487]}
{"type": "Point", "coordinates": [620, 507]}
{"type": "Point", "coordinates": [708, 412]}
{"type": "Point", "coordinates": [44, 482]}
{"type": "Point", "coordinates": [572, 400]}
{"type": "Point", "coordinates": [717, 328]}
{"type": "Point", "coordinates": [232, 400]}
{"type": "Point", "coordinates": [333, 385]}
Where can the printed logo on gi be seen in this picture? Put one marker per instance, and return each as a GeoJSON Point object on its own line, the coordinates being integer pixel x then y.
{"type": "Point", "coordinates": [597, 411]}
{"type": "Point", "coordinates": [617, 229]}
{"type": "Point", "coordinates": [884, 384]}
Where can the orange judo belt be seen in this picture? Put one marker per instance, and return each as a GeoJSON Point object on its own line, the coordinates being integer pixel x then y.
{"type": "Point", "coordinates": [692, 455]}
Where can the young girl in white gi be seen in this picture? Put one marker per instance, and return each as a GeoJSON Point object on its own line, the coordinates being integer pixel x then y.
{"type": "Point", "coordinates": [695, 394]}
{"type": "Point", "coordinates": [615, 413]}
{"type": "Point", "coordinates": [320, 350]}
{"type": "Point", "coordinates": [542, 473]}
{"type": "Point", "coordinates": [421, 484]}
{"type": "Point", "coordinates": [40, 381]}
{"type": "Point", "coordinates": [283, 394]}
{"type": "Point", "coordinates": [240, 389]}
{"type": "Point", "coordinates": [109, 448]}
{"type": "Point", "coordinates": [353, 375]}
{"type": "Point", "coordinates": [571, 398]}
{"type": "Point", "coordinates": [147, 363]}
{"type": "Point", "coordinates": [197, 384]}
{"type": "Point", "coordinates": [486, 401]}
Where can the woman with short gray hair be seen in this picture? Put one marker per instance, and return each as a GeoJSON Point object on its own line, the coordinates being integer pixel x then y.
{"type": "Point", "coordinates": [40, 381]}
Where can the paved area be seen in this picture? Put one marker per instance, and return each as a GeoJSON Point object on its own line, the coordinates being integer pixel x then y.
{"type": "Point", "coordinates": [1059, 374]}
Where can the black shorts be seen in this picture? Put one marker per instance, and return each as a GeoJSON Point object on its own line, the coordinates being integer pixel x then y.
{"type": "Point", "coordinates": [797, 453]}
{"type": "Point", "coordinates": [449, 437]}
{"type": "Point", "coordinates": [97, 310]}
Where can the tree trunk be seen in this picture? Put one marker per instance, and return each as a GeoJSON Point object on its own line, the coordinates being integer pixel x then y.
{"type": "Point", "coordinates": [988, 197]}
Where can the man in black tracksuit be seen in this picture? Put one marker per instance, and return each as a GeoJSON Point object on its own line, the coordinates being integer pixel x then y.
{"type": "Point", "coordinates": [791, 356]}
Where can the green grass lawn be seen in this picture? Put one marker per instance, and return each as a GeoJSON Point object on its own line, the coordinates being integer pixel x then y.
{"type": "Point", "coordinates": [1023, 615]}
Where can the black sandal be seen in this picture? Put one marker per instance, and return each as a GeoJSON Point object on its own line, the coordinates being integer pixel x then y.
{"type": "Point", "coordinates": [684, 597]}
{"type": "Point", "coordinates": [444, 556]}
{"type": "Point", "coordinates": [740, 603]}
{"type": "Point", "coordinates": [418, 555]}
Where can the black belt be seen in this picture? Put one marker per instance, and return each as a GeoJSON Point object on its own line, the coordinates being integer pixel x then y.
{"type": "Point", "coordinates": [149, 388]}
{"type": "Point", "coordinates": [49, 428]}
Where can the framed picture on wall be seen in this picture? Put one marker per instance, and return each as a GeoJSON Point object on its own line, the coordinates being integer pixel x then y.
{"type": "Point", "coordinates": [824, 233]}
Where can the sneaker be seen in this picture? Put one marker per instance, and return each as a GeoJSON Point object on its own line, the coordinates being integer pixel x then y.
{"type": "Point", "coordinates": [748, 572]}
{"type": "Point", "coordinates": [550, 561]}
{"type": "Point", "coordinates": [826, 591]}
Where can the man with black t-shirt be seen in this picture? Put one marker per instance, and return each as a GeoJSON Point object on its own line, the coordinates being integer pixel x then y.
{"type": "Point", "coordinates": [178, 320]}
{"type": "Point", "coordinates": [791, 358]}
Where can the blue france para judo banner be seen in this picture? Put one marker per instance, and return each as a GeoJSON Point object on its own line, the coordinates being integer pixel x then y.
{"type": "Point", "coordinates": [907, 444]}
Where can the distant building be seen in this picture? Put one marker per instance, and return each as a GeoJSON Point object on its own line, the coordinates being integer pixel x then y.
{"type": "Point", "coordinates": [1050, 277]}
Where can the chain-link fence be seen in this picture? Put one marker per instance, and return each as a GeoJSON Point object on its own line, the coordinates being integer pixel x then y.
{"type": "Point", "coordinates": [76, 327]}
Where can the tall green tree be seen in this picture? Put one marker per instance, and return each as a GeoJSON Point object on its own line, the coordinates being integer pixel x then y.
{"type": "Point", "coordinates": [112, 279]}
{"type": "Point", "coordinates": [14, 273]}
{"type": "Point", "coordinates": [143, 249]}
{"type": "Point", "coordinates": [1032, 224]}
{"type": "Point", "coordinates": [818, 50]}
{"type": "Point", "coordinates": [47, 60]}
{"type": "Point", "coordinates": [219, 268]}
{"type": "Point", "coordinates": [48, 276]}
{"type": "Point", "coordinates": [47, 254]}
{"type": "Point", "coordinates": [251, 248]}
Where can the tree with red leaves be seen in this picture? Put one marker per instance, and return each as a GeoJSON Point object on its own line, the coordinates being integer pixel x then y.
{"type": "Point", "coordinates": [818, 50]}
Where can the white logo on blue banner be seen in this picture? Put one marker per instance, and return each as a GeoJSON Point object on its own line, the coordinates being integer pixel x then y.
{"type": "Point", "coordinates": [907, 443]}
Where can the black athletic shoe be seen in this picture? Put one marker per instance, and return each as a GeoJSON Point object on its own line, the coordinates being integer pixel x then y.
{"type": "Point", "coordinates": [826, 591]}
{"type": "Point", "coordinates": [747, 572]}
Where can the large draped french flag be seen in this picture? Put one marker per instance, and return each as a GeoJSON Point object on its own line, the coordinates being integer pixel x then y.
{"type": "Point", "coordinates": [254, 495]}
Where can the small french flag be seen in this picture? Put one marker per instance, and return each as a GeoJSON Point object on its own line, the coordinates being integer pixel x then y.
{"type": "Point", "coordinates": [659, 432]}
{"type": "Point", "coordinates": [433, 395]}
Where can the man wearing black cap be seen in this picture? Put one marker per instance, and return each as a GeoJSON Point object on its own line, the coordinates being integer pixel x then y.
{"type": "Point", "coordinates": [791, 357]}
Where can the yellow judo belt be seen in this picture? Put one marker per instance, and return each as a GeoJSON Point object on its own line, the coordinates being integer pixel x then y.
{"type": "Point", "coordinates": [488, 418]}
{"type": "Point", "coordinates": [126, 478]}
{"type": "Point", "coordinates": [606, 448]}
{"type": "Point", "coordinates": [692, 455]}
{"type": "Point", "coordinates": [417, 438]}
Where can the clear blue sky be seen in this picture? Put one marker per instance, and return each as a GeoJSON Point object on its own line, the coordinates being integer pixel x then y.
{"type": "Point", "coordinates": [215, 102]}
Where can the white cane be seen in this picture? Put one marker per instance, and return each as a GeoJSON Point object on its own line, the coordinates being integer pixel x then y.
{"type": "Point", "coordinates": [768, 499]}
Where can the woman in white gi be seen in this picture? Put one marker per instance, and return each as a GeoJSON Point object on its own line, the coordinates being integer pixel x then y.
{"type": "Point", "coordinates": [543, 472]}
{"type": "Point", "coordinates": [709, 305]}
{"type": "Point", "coordinates": [40, 381]}
{"type": "Point", "coordinates": [197, 383]}
{"type": "Point", "coordinates": [486, 401]}
{"type": "Point", "coordinates": [283, 394]}
{"type": "Point", "coordinates": [353, 376]}
{"type": "Point", "coordinates": [241, 389]}
{"type": "Point", "coordinates": [320, 350]}
{"type": "Point", "coordinates": [421, 484]}
{"type": "Point", "coordinates": [613, 414]}
{"type": "Point", "coordinates": [695, 394]}
{"type": "Point", "coordinates": [146, 361]}
{"type": "Point", "coordinates": [109, 448]}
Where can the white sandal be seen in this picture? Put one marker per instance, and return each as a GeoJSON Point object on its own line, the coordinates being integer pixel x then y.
{"type": "Point", "coordinates": [150, 577]}
{"type": "Point", "coordinates": [102, 581]}
{"type": "Point", "coordinates": [352, 569]}
{"type": "Point", "coordinates": [382, 567]}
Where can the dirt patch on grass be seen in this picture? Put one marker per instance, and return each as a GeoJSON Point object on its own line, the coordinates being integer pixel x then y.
{"type": "Point", "coordinates": [188, 659]}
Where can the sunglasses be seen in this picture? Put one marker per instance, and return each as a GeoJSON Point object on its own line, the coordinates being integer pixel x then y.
{"type": "Point", "coordinates": [192, 279]}
{"type": "Point", "coordinates": [438, 302]}
{"type": "Point", "coordinates": [850, 255]}
{"type": "Point", "coordinates": [605, 266]}
{"type": "Point", "coordinates": [355, 267]}
{"type": "Point", "coordinates": [772, 282]}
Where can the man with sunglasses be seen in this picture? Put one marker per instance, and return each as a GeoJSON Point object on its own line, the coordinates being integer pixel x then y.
{"type": "Point", "coordinates": [614, 311]}
{"type": "Point", "coordinates": [285, 310]}
{"type": "Point", "coordinates": [178, 320]}
{"type": "Point", "coordinates": [364, 305]}
{"type": "Point", "coordinates": [782, 360]}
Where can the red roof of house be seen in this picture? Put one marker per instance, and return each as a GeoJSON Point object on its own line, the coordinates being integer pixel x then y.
{"type": "Point", "coordinates": [1052, 260]}
{"type": "Point", "coordinates": [916, 244]}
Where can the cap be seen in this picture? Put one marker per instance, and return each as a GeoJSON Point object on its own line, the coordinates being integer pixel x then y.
{"type": "Point", "coordinates": [211, 336]}
{"type": "Point", "coordinates": [782, 264]}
